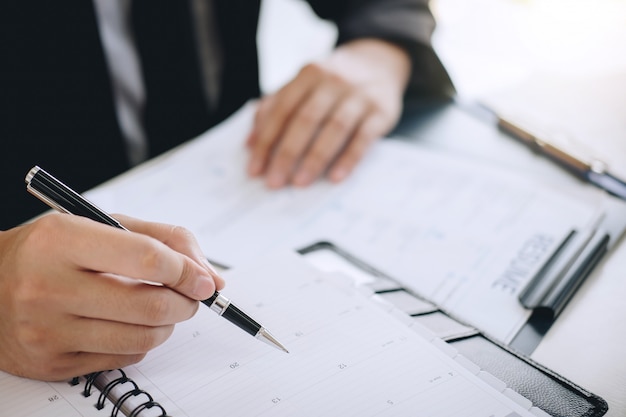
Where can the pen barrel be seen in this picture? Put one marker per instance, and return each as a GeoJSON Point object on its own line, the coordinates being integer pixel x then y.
{"type": "Point", "coordinates": [61, 197]}
{"type": "Point", "coordinates": [241, 320]}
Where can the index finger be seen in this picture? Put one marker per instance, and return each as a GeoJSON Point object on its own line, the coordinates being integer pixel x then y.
{"type": "Point", "coordinates": [102, 248]}
{"type": "Point", "coordinates": [176, 237]}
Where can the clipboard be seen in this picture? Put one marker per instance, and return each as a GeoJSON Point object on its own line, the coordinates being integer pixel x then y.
{"type": "Point", "coordinates": [546, 389]}
{"type": "Point", "coordinates": [440, 123]}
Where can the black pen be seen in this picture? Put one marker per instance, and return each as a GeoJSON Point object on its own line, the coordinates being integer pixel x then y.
{"type": "Point", "coordinates": [62, 198]}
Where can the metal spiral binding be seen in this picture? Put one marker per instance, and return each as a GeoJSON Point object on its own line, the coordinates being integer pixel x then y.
{"type": "Point", "coordinates": [91, 378]}
{"type": "Point", "coordinates": [146, 406]}
{"type": "Point", "coordinates": [149, 403]}
{"type": "Point", "coordinates": [108, 387]}
{"type": "Point", "coordinates": [134, 393]}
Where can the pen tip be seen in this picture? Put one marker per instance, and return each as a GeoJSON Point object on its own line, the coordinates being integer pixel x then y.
{"type": "Point", "coordinates": [267, 337]}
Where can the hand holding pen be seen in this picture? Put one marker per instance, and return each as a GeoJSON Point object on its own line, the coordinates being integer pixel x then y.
{"type": "Point", "coordinates": [73, 296]}
{"type": "Point", "coordinates": [71, 299]}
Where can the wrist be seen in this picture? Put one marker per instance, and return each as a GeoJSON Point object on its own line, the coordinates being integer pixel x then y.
{"type": "Point", "coordinates": [363, 59]}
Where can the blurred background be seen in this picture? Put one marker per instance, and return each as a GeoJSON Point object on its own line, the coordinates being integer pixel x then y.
{"type": "Point", "coordinates": [557, 65]}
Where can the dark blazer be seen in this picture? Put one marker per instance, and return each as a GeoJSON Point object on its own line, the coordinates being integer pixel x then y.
{"type": "Point", "coordinates": [56, 102]}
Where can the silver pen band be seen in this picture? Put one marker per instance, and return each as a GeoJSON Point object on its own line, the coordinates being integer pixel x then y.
{"type": "Point", "coordinates": [220, 304]}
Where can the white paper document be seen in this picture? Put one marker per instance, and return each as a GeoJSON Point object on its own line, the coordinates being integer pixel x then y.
{"type": "Point", "coordinates": [349, 356]}
{"type": "Point", "coordinates": [465, 236]}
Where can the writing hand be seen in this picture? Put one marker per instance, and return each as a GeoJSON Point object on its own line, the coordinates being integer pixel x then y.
{"type": "Point", "coordinates": [325, 119]}
{"type": "Point", "coordinates": [73, 298]}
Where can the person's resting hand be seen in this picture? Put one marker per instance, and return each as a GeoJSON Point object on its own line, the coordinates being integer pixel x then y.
{"type": "Point", "coordinates": [72, 300]}
{"type": "Point", "coordinates": [323, 121]}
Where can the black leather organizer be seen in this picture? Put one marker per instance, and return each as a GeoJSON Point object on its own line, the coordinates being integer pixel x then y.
{"type": "Point", "coordinates": [546, 389]}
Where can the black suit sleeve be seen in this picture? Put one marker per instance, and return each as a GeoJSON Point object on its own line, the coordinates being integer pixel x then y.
{"type": "Point", "coordinates": [407, 23]}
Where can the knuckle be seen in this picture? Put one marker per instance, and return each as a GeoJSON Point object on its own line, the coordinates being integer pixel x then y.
{"type": "Point", "coordinates": [29, 290]}
{"type": "Point", "coordinates": [150, 258]}
{"type": "Point", "coordinates": [184, 277]}
{"type": "Point", "coordinates": [270, 116]}
{"type": "Point", "coordinates": [42, 230]}
{"type": "Point", "coordinates": [323, 73]}
{"type": "Point", "coordinates": [50, 222]}
{"type": "Point", "coordinates": [181, 233]}
{"type": "Point", "coordinates": [29, 337]}
{"type": "Point", "coordinates": [326, 75]}
{"type": "Point", "coordinates": [280, 109]}
{"type": "Point", "coordinates": [27, 293]}
{"type": "Point", "coordinates": [313, 69]}
{"type": "Point", "coordinates": [340, 81]}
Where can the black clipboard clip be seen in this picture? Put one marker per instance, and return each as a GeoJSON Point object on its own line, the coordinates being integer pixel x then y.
{"type": "Point", "coordinates": [549, 291]}
{"type": "Point", "coordinates": [557, 281]}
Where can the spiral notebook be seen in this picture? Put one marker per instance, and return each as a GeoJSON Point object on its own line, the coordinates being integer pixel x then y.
{"type": "Point", "coordinates": [351, 353]}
